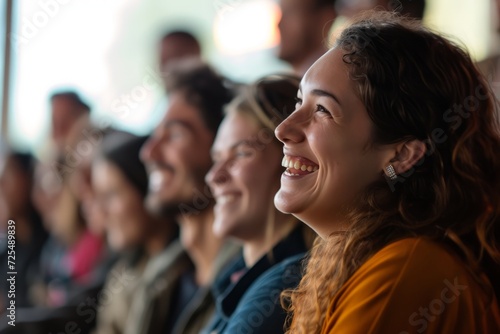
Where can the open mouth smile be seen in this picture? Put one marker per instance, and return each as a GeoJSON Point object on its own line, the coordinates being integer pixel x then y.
{"type": "Point", "coordinates": [296, 166]}
{"type": "Point", "coordinates": [225, 198]}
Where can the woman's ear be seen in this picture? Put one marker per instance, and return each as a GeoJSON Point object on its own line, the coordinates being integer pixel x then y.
{"type": "Point", "coordinates": [409, 153]}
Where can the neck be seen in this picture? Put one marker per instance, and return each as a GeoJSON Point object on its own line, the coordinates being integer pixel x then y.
{"type": "Point", "coordinates": [257, 247]}
{"type": "Point", "coordinates": [162, 233]}
{"type": "Point", "coordinates": [200, 243]}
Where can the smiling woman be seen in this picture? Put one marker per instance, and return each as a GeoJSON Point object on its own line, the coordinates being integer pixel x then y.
{"type": "Point", "coordinates": [244, 180]}
{"type": "Point", "coordinates": [400, 130]}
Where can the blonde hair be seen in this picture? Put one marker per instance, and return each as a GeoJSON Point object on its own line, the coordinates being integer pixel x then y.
{"type": "Point", "coordinates": [268, 102]}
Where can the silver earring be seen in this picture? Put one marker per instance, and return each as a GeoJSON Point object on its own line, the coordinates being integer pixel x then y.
{"type": "Point", "coordinates": [391, 173]}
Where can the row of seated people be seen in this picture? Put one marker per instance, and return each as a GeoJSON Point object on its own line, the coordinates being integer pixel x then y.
{"type": "Point", "coordinates": [347, 201]}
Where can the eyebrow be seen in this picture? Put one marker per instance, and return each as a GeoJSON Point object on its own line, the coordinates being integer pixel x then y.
{"type": "Point", "coordinates": [178, 122]}
{"type": "Point", "coordinates": [239, 143]}
{"type": "Point", "coordinates": [321, 92]}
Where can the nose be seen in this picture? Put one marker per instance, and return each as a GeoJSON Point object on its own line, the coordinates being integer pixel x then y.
{"type": "Point", "coordinates": [280, 22]}
{"type": "Point", "coordinates": [292, 128]}
{"type": "Point", "coordinates": [150, 150]}
{"type": "Point", "coordinates": [218, 174]}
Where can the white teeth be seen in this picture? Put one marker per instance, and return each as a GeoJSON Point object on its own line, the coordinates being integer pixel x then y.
{"type": "Point", "coordinates": [290, 174]}
{"type": "Point", "coordinates": [297, 165]}
{"type": "Point", "coordinates": [155, 181]}
{"type": "Point", "coordinates": [225, 199]}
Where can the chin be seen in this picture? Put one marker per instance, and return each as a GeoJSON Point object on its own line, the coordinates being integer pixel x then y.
{"type": "Point", "coordinates": [116, 244]}
{"type": "Point", "coordinates": [283, 203]}
{"type": "Point", "coordinates": [219, 228]}
{"type": "Point", "coordinates": [152, 203]}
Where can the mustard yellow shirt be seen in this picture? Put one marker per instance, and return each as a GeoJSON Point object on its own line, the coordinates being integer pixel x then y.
{"type": "Point", "coordinates": [412, 286]}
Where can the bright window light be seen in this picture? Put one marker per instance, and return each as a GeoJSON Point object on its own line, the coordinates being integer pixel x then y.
{"type": "Point", "coordinates": [247, 27]}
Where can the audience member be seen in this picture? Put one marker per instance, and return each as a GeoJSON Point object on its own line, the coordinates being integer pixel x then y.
{"type": "Point", "coordinates": [178, 157]}
{"type": "Point", "coordinates": [490, 66]}
{"type": "Point", "coordinates": [244, 179]}
{"type": "Point", "coordinates": [72, 252]}
{"type": "Point", "coordinates": [304, 31]}
{"type": "Point", "coordinates": [416, 250]}
{"type": "Point", "coordinates": [66, 109]}
{"type": "Point", "coordinates": [177, 45]}
{"type": "Point", "coordinates": [21, 227]}
{"type": "Point", "coordinates": [120, 183]}
{"type": "Point", "coordinates": [409, 8]}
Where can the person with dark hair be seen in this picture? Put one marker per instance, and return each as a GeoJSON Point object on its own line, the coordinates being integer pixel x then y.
{"type": "Point", "coordinates": [490, 66]}
{"type": "Point", "coordinates": [177, 156]}
{"type": "Point", "coordinates": [409, 8]}
{"type": "Point", "coordinates": [121, 183]}
{"type": "Point", "coordinates": [202, 88]}
{"type": "Point", "coordinates": [66, 110]}
{"type": "Point", "coordinates": [304, 31]}
{"type": "Point", "coordinates": [74, 98]}
{"type": "Point", "coordinates": [73, 252]}
{"type": "Point", "coordinates": [397, 131]}
{"type": "Point", "coordinates": [23, 234]}
{"type": "Point", "coordinates": [273, 243]}
{"type": "Point", "coordinates": [176, 45]}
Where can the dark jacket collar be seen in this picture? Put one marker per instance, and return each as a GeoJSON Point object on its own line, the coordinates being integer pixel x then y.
{"type": "Point", "coordinates": [228, 294]}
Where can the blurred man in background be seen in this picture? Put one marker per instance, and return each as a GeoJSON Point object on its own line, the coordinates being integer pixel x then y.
{"type": "Point", "coordinates": [67, 108]}
{"type": "Point", "coordinates": [176, 45]}
{"type": "Point", "coordinates": [178, 157]}
{"type": "Point", "coordinates": [411, 8]}
{"type": "Point", "coordinates": [491, 65]}
{"type": "Point", "coordinates": [304, 28]}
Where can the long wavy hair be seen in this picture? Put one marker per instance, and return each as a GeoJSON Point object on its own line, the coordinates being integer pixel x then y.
{"type": "Point", "coordinates": [415, 84]}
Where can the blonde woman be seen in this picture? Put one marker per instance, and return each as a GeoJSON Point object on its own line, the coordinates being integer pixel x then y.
{"type": "Point", "coordinates": [244, 180]}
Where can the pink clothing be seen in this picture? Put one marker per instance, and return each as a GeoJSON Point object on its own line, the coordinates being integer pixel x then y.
{"type": "Point", "coordinates": [83, 256]}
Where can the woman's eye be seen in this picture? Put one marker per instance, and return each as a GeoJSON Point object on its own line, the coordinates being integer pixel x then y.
{"type": "Point", "coordinates": [175, 134]}
{"type": "Point", "coordinates": [320, 108]}
{"type": "Point", "coordinates": [242, 154]}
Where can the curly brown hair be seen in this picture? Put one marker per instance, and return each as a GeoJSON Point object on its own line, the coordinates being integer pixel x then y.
{"type": "Point", "coordinates": [415, 84]}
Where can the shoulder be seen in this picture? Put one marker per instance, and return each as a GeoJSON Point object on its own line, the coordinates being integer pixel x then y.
{"type": "Point", "coordinates": [413, 254]}
{"type": "Point", "coordinates": [412, 284]}
{"type": "Point", "coordinates": [409, 265]}
{"type": "Point", "coordinates": [285, 274]}
{"type": "Point", "coordinates": [260, 310]}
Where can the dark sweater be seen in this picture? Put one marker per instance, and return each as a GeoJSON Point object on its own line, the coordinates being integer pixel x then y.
{"type": "Point", "coordinates": [248, 299]}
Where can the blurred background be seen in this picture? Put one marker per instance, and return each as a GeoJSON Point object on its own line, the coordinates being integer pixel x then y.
{"type": "Point", "coordinates": [107, 50]}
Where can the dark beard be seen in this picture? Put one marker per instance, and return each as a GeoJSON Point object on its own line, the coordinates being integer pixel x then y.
{"type": "Point", "coordinates": [162, 210]}
{"type": "Point", "coordinates": [178, 209]}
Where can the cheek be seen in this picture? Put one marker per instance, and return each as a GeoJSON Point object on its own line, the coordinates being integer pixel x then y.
{"type": "Point", "coordinates": [186, 159]}
{"type": "Point", "coordinates": [125, 207]}
{"type": "Point", "coordinates": [200, 157]}
{"type": "Point", "coordinates": [128, 225]}
{"type": "Point", "coordinates": [337, 154]}
{"type": "Point", "coordinates": [349, 168]}
{"type": "Point", "coordinates": [262, 181]}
